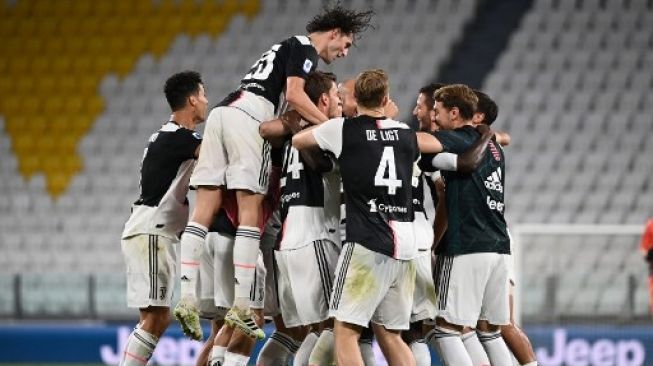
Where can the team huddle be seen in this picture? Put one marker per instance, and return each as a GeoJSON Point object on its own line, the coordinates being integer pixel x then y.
{"type": "Point", "coordinates": [317, 209]}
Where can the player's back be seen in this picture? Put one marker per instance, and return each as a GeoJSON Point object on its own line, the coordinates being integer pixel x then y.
{"type": "Point", "coordinates": [376, 165]}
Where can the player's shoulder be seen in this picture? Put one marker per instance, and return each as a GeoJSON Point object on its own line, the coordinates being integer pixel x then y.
{"type": "Point", "coordinates": [297, 41]}
{"type": "Point", "coordinates": [175, 130]}
{"type": "Point", "coordinates": [388, 123]}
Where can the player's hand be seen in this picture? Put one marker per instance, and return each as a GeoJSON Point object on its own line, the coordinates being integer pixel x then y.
{"type": "Point", "coordinates": [292, 121]}
{"type": "Point", "coordinates": [484, 129]}
{"type": "Point", "coordinates": [391, 110]}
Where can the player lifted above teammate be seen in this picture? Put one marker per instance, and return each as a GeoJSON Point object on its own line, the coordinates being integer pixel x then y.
{"type": "Point", "coordinates": [235, 157]}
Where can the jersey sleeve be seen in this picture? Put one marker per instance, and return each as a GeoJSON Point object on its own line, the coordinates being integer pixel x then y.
{"type": "Point", "coordinates": [302, 58]}
{"type": "Point", "coordinates": [185, 143]}
{"type": "Point", "coordinates": [329, 136]}
{"type": "Point", "coordinates": [453, 141]}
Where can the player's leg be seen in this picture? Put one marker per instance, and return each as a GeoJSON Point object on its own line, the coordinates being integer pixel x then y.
{"type": "Point", "coordinates": [394, 349]}
{"type": "Point", "coordinates": [246, 251]}
{"type": "Point", "coordinates": [365, 346]}
{"type": "Point", "coordinates": [415, 340]}
{"type": "Point", "coordinates": [346, 343]}
{"type": "Point", "coordinates": [204, 355]}
{"type": "Point", "coordinates": [495, 311]}
{"type": "Point", "coordinates": [208, 176]}
{"type": "Point", "coordinates": [392, 314]}
{"type": "Point", "coordinates": [517, 340]}
{"type": "Point", "coordinates": [474, 347]}
{"type": "Point", "coordinates": [279, 347]}
{"type": "Point", "coordinates": [241, 344]}
{"type": "Point", "coordinates": [150, 262]}
{"type": "Point", "coordinates": [424, 308]}
{"type": "Point", "coordinates": [455, 309]}
{"type": "Point", "coordinates": [323, 351]}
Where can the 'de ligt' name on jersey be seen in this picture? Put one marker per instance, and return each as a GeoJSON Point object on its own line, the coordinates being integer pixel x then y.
{"type": "Point", "coordinates": [294, 56]}
{"type": "Point", "coordinates": [309, 203]}
{"type": "Point", "coordinates": [168, 161]}
{"type": "Point", "coordinates": [376, 158]}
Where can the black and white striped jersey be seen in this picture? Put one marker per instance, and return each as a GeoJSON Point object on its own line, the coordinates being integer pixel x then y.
{"type": "Point", "coordinates": [424, 212]}
{"type": "Point", "coordinates": [294, 56]}
{"type": "Point", "coordinates": [168, 161]}
{"type": "Point", "coordinates": [376, 157]}
{"type": "Point", "coordinates": [309, 203]}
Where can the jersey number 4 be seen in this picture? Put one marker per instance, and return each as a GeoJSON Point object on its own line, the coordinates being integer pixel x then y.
{"type": "Point", "coordinates": [263, 67]}
{"type": "Point", "coordinates": [387, 164]}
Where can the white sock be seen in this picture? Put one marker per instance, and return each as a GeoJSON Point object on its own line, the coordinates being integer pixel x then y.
{"type": "Point", "coordinates": [277, 350]}
{"type": "Point", "coordinates": [450, 346]}
{"type": "Point", "coordinates": [245, 255]}
{"type": "Point", "coordinates": [304, 352]}
{"type": "Point", "coordinates": [192, 242]}
{"type": "Point", "coordinates": [534, 363]}
{"type": "Point", "coordinates": [217, 356]}
{"type": "Point", "coordinates": [323, 351]}
{"type": "Point", "coordinates": [235, 359]}
{"type": "Point", "coordinates": [421, 353]}
{"type": "Point", "coordinates": [139, 348]}
{"type": "Point", "coordinates": [475, 349]}
{"type": "Point", "coordinates": [495, 347]}
{"type": "Point", "coordinates": [367, 352]}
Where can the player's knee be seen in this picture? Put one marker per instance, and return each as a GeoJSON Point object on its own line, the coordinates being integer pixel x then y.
{"type": "Point", "coordinates": [413, 334]}
{"type": "Point", "coordinates": [485, 326]}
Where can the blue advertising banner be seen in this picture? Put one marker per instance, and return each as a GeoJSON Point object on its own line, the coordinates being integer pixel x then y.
{"type": "Point", "coordinates": [102, 344]}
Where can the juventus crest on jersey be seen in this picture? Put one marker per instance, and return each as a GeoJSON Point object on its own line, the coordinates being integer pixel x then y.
{"type": "Point", "coordinates": [376, 158]}
{"type": "Point", "coordinates": [168, 161]}
{"type": "Point", "coordinates": [309, 204]}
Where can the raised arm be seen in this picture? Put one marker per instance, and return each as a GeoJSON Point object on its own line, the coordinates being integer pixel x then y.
{"type": "Point", "coordinates": [503, 138]}
{"type": "Point", "coordinates": [299, 101]}
{"type": "Point", "coordinates": [428, 144]}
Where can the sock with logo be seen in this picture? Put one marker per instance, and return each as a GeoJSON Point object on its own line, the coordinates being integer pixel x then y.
{"type": "Point", "coordinates": [450, 346]}
{"type": "Point", "coordinates": [192, 242]}
{"type": "Point", "coordinates": [365, 346]}
{"type": "Point", "coordinates": [235, 359]}
{"type": "Point", "coordinates": [475, 349]}
{"type": "Point", "coordinates": [323, 351]}
{"type": "Point", "coordinates": [304, 352]}
{"type": "Point", "coordinates": [495, 347]}
{"type": "Point", "coordinates": [139, 348]}
{"type": "Point", "coordinates": [245, 255]}
{"type": "Point", "coordinates": [277, 350]}
{"type": "Point", "coordinates": [217, 356]}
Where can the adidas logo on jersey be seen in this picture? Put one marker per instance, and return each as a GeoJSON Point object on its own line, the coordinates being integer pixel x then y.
{"type": "Point", "coordinates": [493, 181]}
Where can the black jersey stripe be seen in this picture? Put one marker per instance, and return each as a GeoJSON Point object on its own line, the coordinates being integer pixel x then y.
{"type": "Point", "coordinates": [323, 269]}
{"type": "Point", "coordinates": [337, 293]}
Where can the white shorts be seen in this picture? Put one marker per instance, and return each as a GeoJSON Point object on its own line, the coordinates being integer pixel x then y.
{"type": "Point", "coordinates": [372, 287]}
{"type": "Point", "coordinates": [216, 288]}
{"type": "Point", "coordinates": [306, 281]}
{"type": "Point", "coordinates": [424, 298]}
{"type": "Point", "coordinates": [233, 154]}
{"type": "Point", "coordinates": [473, 287]}
{"type": "Point", "coordinates": [510, 260]}
{"type": "Point", "coordinates": [151, 268]}
{"type": "Point", "coordinates": [268, 243]}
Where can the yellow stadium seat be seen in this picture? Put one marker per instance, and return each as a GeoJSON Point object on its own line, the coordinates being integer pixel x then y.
{"type": "Point", "coordinates": [95, 105]}
{"type": "Point", "coordinates": [53, 105]}
{"type": "Point", "coordinates": [159, 45]}
{"type": "Point", "coordinates": [75, 46]}
{"type": "Point", "coordinates": [47, 147]}
{"type": "Point", "coordinates": [123, 65]}
{"type": "Point", "coordinates": [57, 183]}
{"type": "Point", "coordinates": [6, 84]}
{"type": "Point", "coordinates": [40, 66]}
{"type": "Point", "coordinates": [115, 44]}
{"type": "Point", "coordinates": [96, 47]}
{"type": "Point", "coordinates": [37, 125]}
{"type": "Point", "coordinates": [73, 105]}
{"type": "Point", "coordinates": [102, 64]}
{"type": "Point", "coordinates": [19, 65]}
{"type": "Point", "coordinates": [54, 46]}
{"type": "Point", "coordinates": [49, 25]}
{"type": "Point", "coordinates": [80, 9]}
{"type": "Point", "coordinates": [29, 164]}
{"type": "Point", "coordinates": [103, 8]}
{"type": "Point", "coordinates": [10, 105]}
{"type": "Point", "coordinates": [90, 24]}
{"type": "Point", "coordinates": [70, 29]}
{"type": "Point", "coordinates": [8, 26]}
{"type": "Point", "coordinates": [48, 84]}
{"type": "Point", "coordinates": [82, 65]}
{"type": "Point", "coordinates": [23, 143]}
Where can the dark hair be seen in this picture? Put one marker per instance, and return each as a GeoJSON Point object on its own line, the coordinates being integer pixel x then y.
{"type": "Point", "coordinates": [180, 86]}
{"type": "Point", "coordinates": [459, 96]}
{"type": "Point", "coordinates": [318, 83]}
{"type": "Point", "coordinates": [428, 92]}
{"type": "Point", "coordinates": [487, 106]}
{"type": "Point", "coordinates": [336, 17]}
{"type": "Point", "coordinates": [371, 86]}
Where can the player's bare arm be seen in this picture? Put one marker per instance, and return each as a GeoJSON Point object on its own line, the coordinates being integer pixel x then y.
{"type": "Point", "coordinates": [503, 138]}
{"type": "Point", "coordinates": [299, 101]}
{"type": "Point", "coordinates": [276, 130]}
{"type": "Point", "coordinates": [428, 144]}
